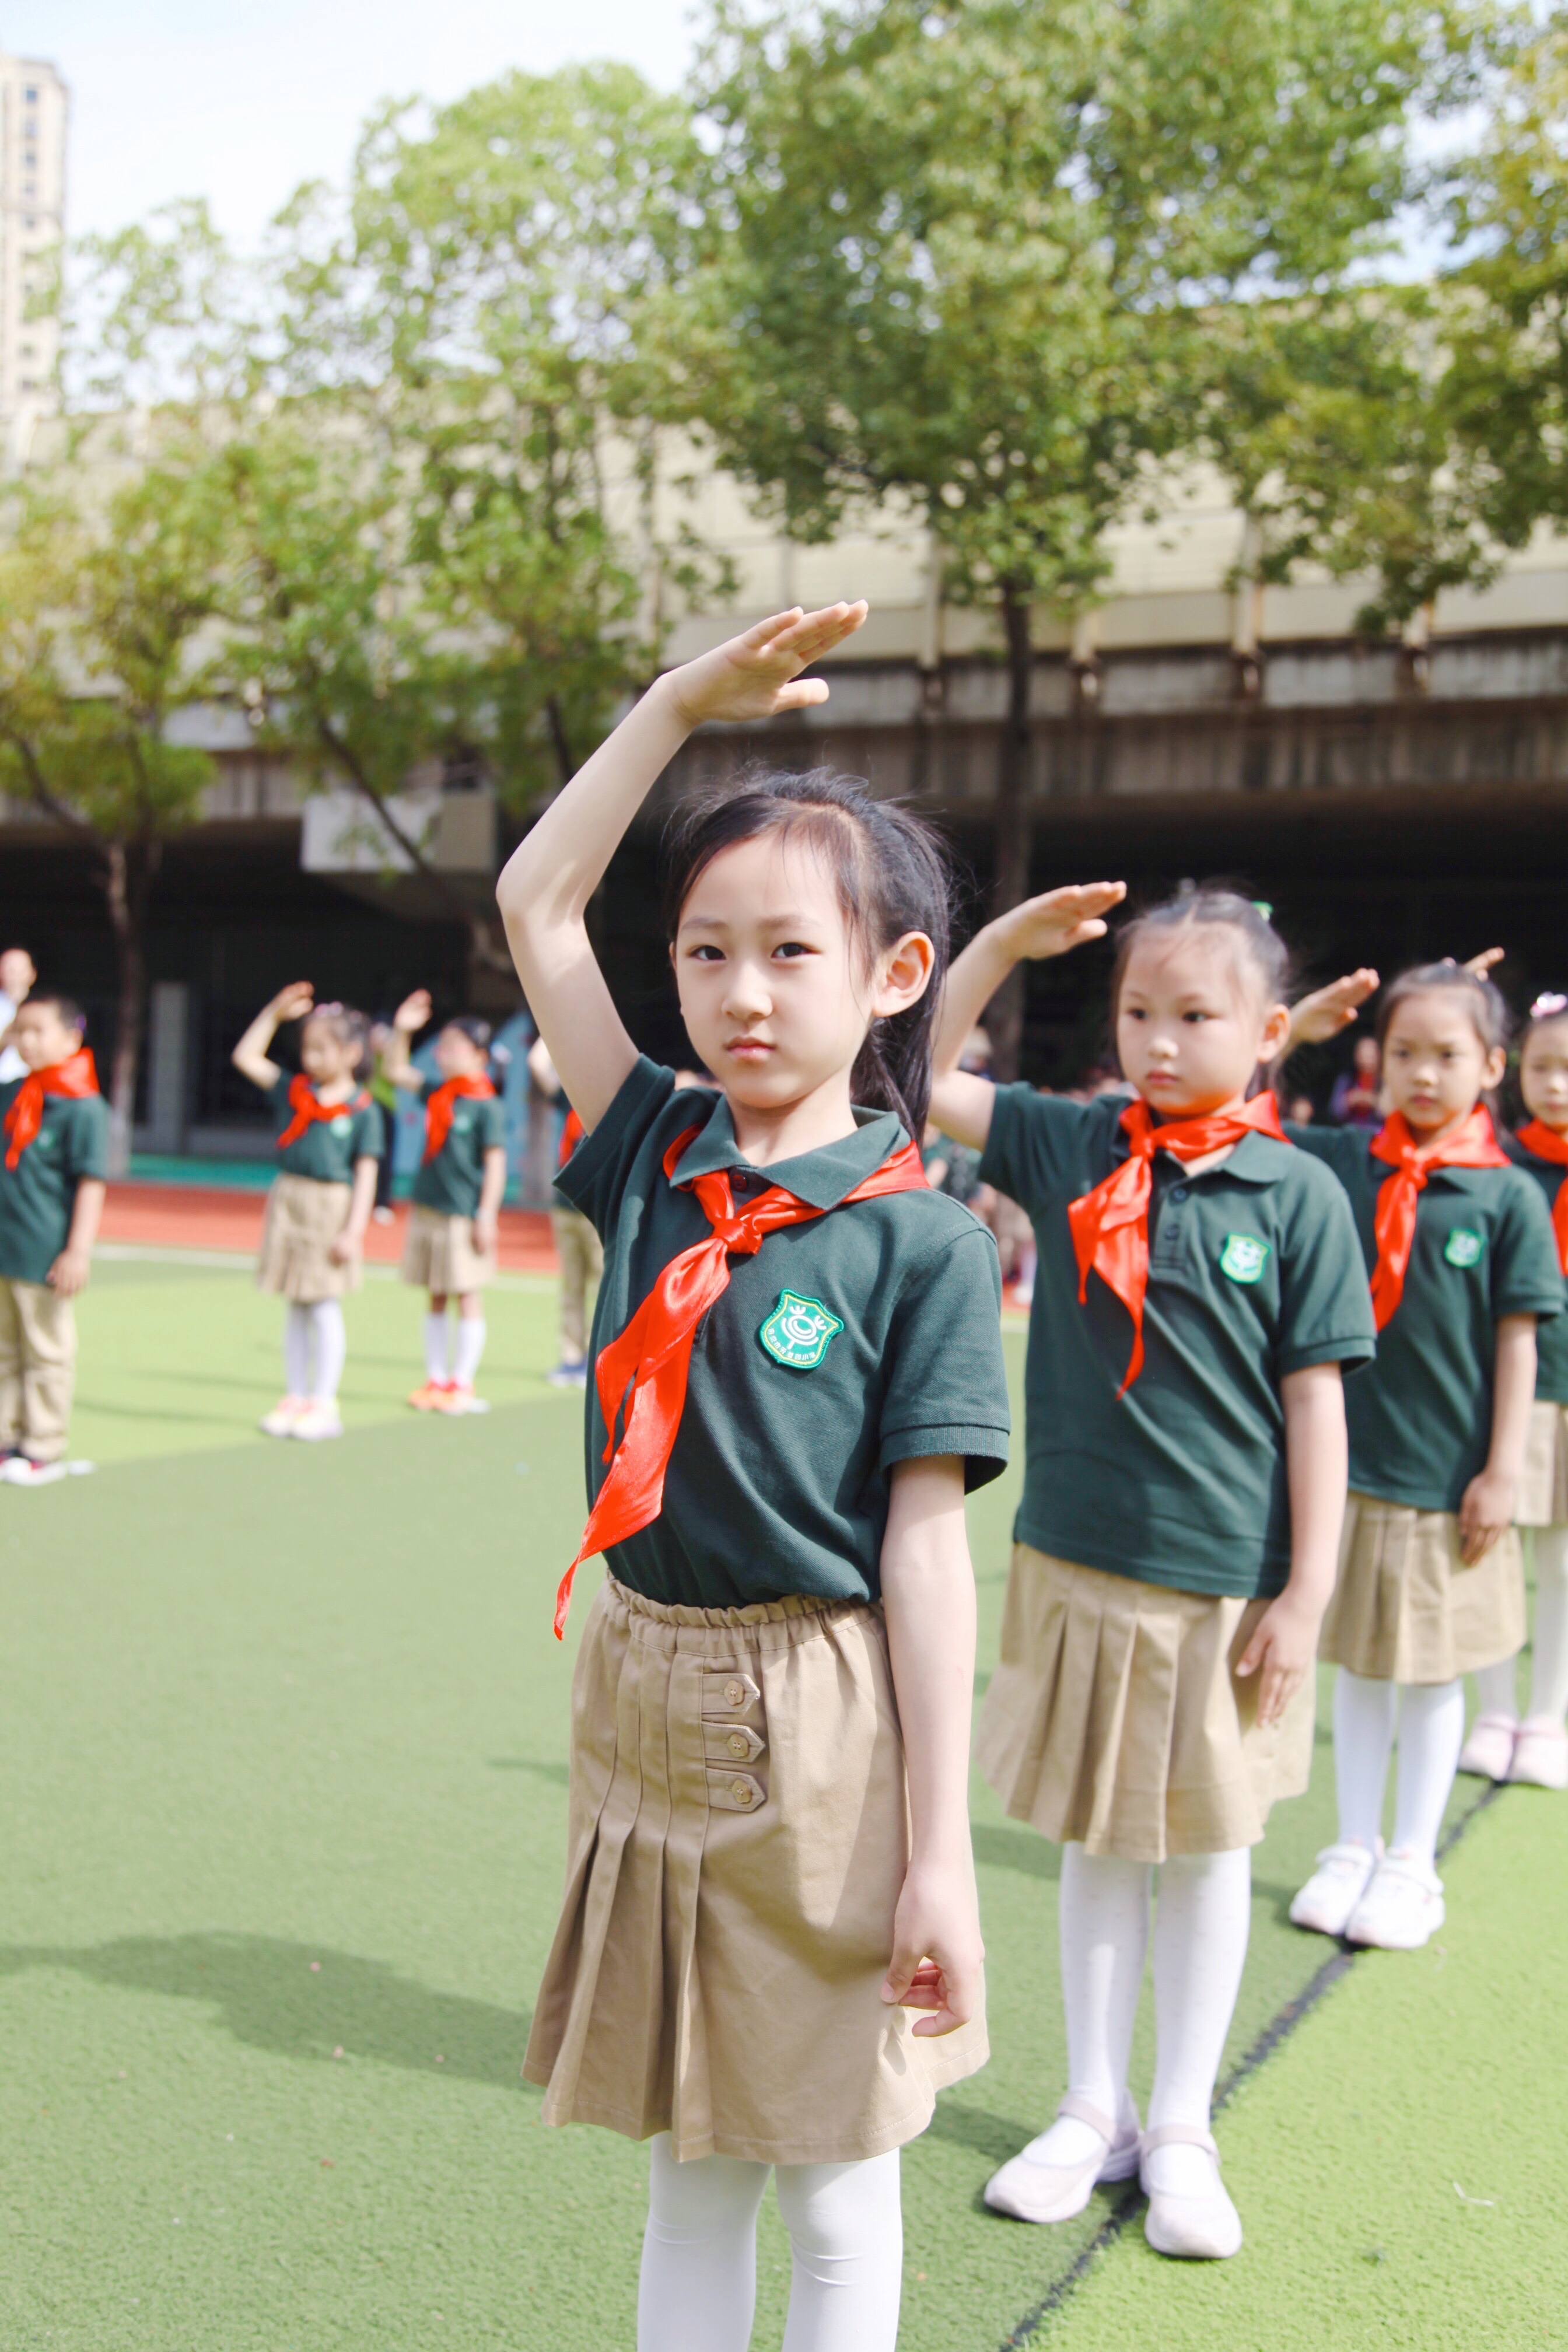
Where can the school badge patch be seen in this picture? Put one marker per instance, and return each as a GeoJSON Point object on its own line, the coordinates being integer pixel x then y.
{"type": "Point", "coordinates": [1462, 1247]}
{"type": "Point", "coordinates": [1242, 1257]}
{"type": "Point", "coordinates": [799, 1332]}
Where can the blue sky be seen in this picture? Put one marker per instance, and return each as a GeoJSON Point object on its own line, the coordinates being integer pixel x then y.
{"type": "Point", "coordinates": [240, 99]}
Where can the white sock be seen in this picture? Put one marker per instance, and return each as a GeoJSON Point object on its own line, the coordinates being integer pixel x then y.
{"type": "Point", "coordinates": [846, 2236]}
{"type": "Point", "coordinates": [436, 1346]}
{"type": "Point", "coordinates": [698, 2289]}
{"type": "Point", "coordinates": [1498, 1687]}
{"type": "Point", "coordinates": [470, 1348]}
{"type": "Point", "coordinates": [1102, 1917]}
{"type": "Point", "coordinates": [1431, 1734]}
{"type": "Point", "coordinates": [1549, 1661]}
{"type": "Point", "coordinates": [1365, 1717]}
{"type": "Point", "coordinates": [296, 1350]}
{"type": "Point", "coordinates": [332, 1347]}
{"type": "Point", "coordinates": [1203, 1918]}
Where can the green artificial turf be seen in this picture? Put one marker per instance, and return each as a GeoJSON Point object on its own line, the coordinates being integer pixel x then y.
{"type": "Point", "coordinates": [282, 1778]}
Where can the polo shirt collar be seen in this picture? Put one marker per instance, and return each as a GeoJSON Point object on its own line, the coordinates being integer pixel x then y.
{"type": "Point", "coordinates": [820, 1178]}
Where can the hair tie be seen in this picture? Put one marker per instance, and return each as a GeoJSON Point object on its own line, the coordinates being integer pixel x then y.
{"type": "Point", "coordinates": [1264, 906]}
{"type": "Point", "coordinates": [1547, 1006]}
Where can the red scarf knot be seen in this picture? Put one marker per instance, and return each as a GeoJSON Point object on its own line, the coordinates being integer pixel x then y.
{"type": "Point", "coordinates": [439, 1110]}
{"type": "Point", "coordinates": [1547, 1144]}
{"type": "Point", "coordinates": [1111, 1224]}
{"type": "Point", "coordinates": [306, 1110]}
{"type": "Point", "coordinates": [74, 1078]}
{"type": "Point", "coordinates": [652, 1357]}
{"type": "Point", "coordinates": [1472, 1145]}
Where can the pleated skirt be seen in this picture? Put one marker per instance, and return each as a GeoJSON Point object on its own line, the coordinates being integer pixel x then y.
{"type": "Point", "coordinates": [1407, 1609]}
{"type": "Point", "coordinates": [737, 1841]}
{"type": "Point", "coordinates": [1543, 1480]}
{"type": "Point", "coordinates": [303, 1219]}
{"type": "Point", "coordinates": [1115, 1717]}
{"type": "Point", "coordinates": [439, 1253]}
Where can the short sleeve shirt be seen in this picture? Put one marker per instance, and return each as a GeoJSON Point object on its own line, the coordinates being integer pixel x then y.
{"type": "Point", "coordinates": [1254, 1273]}
{"type": "Point", "coordinates": [330, 1147]}
{"type": "Point", "coordinates": [450, 1182]}
{"type": "Point", "coordinates": [866, 1337]}
{"type": "Point", "coordinates": [38, 1197]}
{"type": "Point", "coordinates": [1552, 1337]}
{"type": "Point", "coordinates": [1421, 1418]}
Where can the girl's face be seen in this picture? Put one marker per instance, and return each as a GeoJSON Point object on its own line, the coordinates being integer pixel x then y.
{"type": "Point", "coordinates": [1191, 1025]}
{"type": "Point", "coordinates": [458, 1056]}
{"type": "Point", "coordinates": [326, 1057]}
{"type": "Point", "coordinates": [1436, 1065]}
{"type": "Point", "coordinates": [1543, 1073]}
{"type": "Point", "coordinates": [774, 991]}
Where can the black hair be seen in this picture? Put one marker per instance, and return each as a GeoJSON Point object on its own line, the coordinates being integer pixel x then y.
{"type": "Point", "coordinates": [351, 1028]}
{"type": "Point", "coordinates": [1210, 904]}
{"type": "Point", "coordinates": [68, 1010]}
{"type": "Point", "coordinates": [893, 874]}
{"type": "Point", "coordinates": [1486, 1005]}
{"type": "Point", "coordinates": [470, 1026]}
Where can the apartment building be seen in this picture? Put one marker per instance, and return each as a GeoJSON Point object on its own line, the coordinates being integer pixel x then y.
{"type": "Point", "coordinates": [34, 113]}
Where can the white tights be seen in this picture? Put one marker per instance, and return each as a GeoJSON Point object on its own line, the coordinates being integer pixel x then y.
{"type": "Point", "coordinates": [1548, 1653]}
{"type": "Point", "coordinates": [1430, 1717]}
{"type": "Point", "coordinates": [315, 1330]}
{"type": "Point", "coordinates": [1202, 1921]}
{"type": "Point", "coordinates": [698, 2285]}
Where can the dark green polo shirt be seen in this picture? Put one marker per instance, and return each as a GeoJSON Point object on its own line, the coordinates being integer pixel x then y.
{"type": "Point", "coordinates": [1253, 1273]}
{"type": "Point", "coordinates": [868, 1337]}
{"type": "Point", "coordinates": [328, 1148]}
{"type": "Point", "coordinates": [38, 1197]}
{"type": "Point", "coordinates": [1552, 1336]}
{"type": "Point", "coordinates": [450, 1182]}
{"type": "Point", "coordinates": [1421, 1418]}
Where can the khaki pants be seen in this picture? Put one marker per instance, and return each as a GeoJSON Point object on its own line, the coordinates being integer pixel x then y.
{"type": "Point", "coordinates": [38, 1368]}
{"type": "Point", "coordinates": [581, 1258]}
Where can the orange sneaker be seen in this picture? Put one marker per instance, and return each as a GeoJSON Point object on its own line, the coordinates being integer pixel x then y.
{"type": "Point", "coordinates": [430, 1398]}
{"type": "Point", "coordinates": [458, 1396]}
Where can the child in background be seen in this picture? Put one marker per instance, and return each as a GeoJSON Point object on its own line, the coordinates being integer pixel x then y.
{"type": "Point", "coordinates": [1500, 1746]}
{"type": "Point", "coordinates": [801, 1371]}
{"type": "Point", "coordinates": [54, 1124]}
{"type": "Point", "coordinates": [383, 1095]}
{"type": "Point", "coordinates": [1431, 1584]}
{"type": "Point", "coordinates": [451, 1244]}
{"type": "Point", "coordinates": [579, 1258]}
{"type": "Point", "coordinates": [1198, 1291]}
{"type": "Point", "coordinates": [320, 1198]}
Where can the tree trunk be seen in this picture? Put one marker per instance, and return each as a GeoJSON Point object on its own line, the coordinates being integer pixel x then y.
{"type": "Point", "coordinates": [1014, 828]}
{"type": "Point", "coordinates": [129, 869]}
{"type": "Point", "coordinates": [560, 743]}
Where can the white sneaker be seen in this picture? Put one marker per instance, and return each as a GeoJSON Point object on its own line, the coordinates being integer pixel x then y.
{"type": "Point", "coordinates": [279, 1422]}
{"type": "Point", "coordinates": [1335, 1888]}
{"type": "Point", "coordinates": [318, 1421]}
{"type": "Point", "coordinates": [1403, 1907]}
{"type": "Point", "coordinates": [1032, 2191]}
{"type": "Point", "coordinates": [1489, 1750]}
{"type": "Point", "coordinates": [21, 1472]}
{"type": "Point", "coordinates": [1202, 2226]}
{"type": "Point", "coordinates": [1540, 1756]}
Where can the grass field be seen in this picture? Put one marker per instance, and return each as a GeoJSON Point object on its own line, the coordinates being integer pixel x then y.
{"type": "Point", "coordinates": [282, 1766]}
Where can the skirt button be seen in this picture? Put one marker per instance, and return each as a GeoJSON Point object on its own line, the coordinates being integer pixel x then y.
{"type": "Point", "coordinates": [741, 1791]}
{"type": "Point", "coordinates": [739, 1744]}
{"type": "Point", "coordinates": [736, 1693]}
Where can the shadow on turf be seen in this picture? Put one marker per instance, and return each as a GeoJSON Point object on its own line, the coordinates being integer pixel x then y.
{"type": "Point", "coordinates": [269, 1995]}
{"type": "Point", "coordinates": [1016, 1849]}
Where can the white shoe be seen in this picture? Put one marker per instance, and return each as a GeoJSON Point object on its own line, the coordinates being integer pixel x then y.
{"type": "Point", "coordinates": [21, 1472]}
{"type": "Point", "coordinates": [1203, 2227]}
{"type": "Point", "coordinates": [1403, 1907]}
{"type": "Point", "coordinates": [1032, 2191]}
{"type": "Point", "coordinates": [1540, 1756]}
{"type": "Point", "coordinates": [318, 1421]}
{"type": "Point", "coordinates": [1335, 1888]}
{"type": "Point", "coordinates": [1489, 1750]}
{"type": "Point", "coordinates": [279, 1422]}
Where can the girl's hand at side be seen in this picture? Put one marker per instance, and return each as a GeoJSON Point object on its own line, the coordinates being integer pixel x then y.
{"type": "Point", "coordinates": [1282, 1653]}
{"type": "Point", "coordinates": [345, 1249]}
{"type": "Point", "coordinates": [937, 1948]}
{"type": "Point", "coordinates": [758, 675]}
{"type": "Point", "coordinates": [1059, 920]}
{"type": "Point", "coordinates": [1485, 1512]}
{"type": "Point", "coordinates": [1327, 1011]}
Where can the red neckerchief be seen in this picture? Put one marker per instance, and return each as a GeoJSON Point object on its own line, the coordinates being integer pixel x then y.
{"type": "Point", "coordinates": [76, 1077]}
{"type": "Point", "coordinates": [1547, 1144]}
{"type": "Point", "coordinates": [1111, 1224]}
{"type": "Point", "coordinates": [439, 1110]}
{"type": "Point", "coordinates": [306, 1110]}
{"type": "Point", "coordinates": [1473, 1144]}
{"type": "Point", "coordinates": [572, 1135]}
{"type": "Point", "coordinates": [652, 1357]}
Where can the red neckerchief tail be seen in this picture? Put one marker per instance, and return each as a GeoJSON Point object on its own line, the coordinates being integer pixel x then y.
{"type": "Point", "coordinates": [572, 1135]}
{"type": "Point", "coordinates": [1111, 1224]}
{"type": "Point", "coordinates": [1547, 1144]}
{"type": "Point", "coordinates": [438, 1109]}
{"type": "Point", "coordinates": [1473, 1144]}
{"type": "Point", "coordinates": [306, 1110]}
{"type": "Point", "coordinates": [76, 1077]}
{"type": "Point", "coordinates": [652, 1357]}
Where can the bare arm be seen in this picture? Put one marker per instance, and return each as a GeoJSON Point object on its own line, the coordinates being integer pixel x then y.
{"type": "Point", "coordinates": [1489, 1500]}
{"type": "Point", "coordinates": [250, 1057]}
{"type": "Point", "coordinates": [410, 1017]}
{"type": "Point", "coordinates": [492, 1184]}
{"type": "Point", "coordinates": [362, 1200]}
{"type": "Point", "coordinates": [1327, 1011]}
{"type": "Point", "coordinates": [1317, 1461]}
{"type": "Point", "coordinates": [542, 1070]}
{"type": "Point", "coordinates": [928, 1595]}
{"type": "Point", "coordinates": [69, 1271]}
{"type": "Point", "coordinates": [546, 884]}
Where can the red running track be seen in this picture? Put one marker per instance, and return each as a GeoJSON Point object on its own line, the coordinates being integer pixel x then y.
{"type": "Point", "coordinates": [185, 1216]}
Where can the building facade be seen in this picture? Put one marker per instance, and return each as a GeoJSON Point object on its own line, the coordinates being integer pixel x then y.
{"type": "Point", "coordinates": [34, 115]}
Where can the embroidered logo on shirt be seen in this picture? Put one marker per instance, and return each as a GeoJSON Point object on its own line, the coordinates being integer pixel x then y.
{"type": "Point", "coordinates": [340, 1125]}
{"type": "Point", "coordinates": [1244, 1257]}
{"type": "Point", "coordinates": [1463, 1247]}
{"type": "Point", "coordinates": [799, 1331]}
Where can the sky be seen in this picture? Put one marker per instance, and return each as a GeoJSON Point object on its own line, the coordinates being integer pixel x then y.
{"type": "Point", "coordinates": [238, 101]}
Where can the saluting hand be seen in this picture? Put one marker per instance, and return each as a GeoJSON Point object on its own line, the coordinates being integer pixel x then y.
{"type": "Point", "coordinates": [758, 675]}
{"type": "Point", "coordinates": [1059, 920]}
{"type": "Point", "coordinates": [413, 1012]}
{"type": "Point", "coordinates": [292, 1003]}
{"type": "Point", "coordinates": [1327, 1011]}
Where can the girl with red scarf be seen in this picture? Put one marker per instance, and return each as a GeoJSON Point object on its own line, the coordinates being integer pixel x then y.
{"type": "Point", "coordinates": [1197, 1291]}
{"type": "Point", "coordinates": [1463, 1263]}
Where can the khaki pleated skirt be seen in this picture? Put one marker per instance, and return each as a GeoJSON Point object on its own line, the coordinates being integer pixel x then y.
{"type": "Point", "coordinates": [1115, 1719]}
{"type": "Point", "coordinates": [304, 1218]}
{"type": "Point", "coordinates": [1543, 1480]}
{"type": "Point", "coordinates": [1406, 1607]}
{"type": "Point", "coordinates": [737, 1841]}
{"type": "Point", "coordinates": [439, 1253]}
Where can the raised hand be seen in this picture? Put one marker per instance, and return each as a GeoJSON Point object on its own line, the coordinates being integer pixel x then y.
{"type": "Point", "coordinates": [292, 1003]}
{"type": "Point", "coordinates": [413, 1012]}
{"type": "Point", "coordinates": [1329, 1009]}
{"type": "Point", "coordinates": [758, 675]}
{"type": "Point", "coordinates": [1060, 920]}
{"type": "Point", "coordinates": [1481, 965]}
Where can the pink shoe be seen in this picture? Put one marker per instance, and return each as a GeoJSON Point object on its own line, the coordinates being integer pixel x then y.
{"type": "Point", "coordinates": [1489, 1750]}
{"type": "Point", "coordinates": [1540, 1756]}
